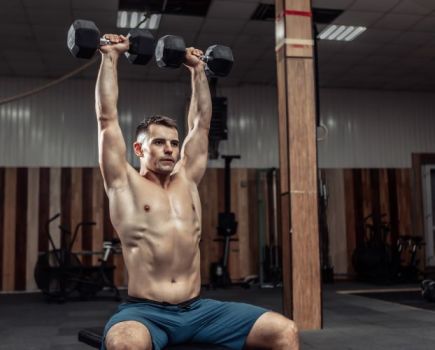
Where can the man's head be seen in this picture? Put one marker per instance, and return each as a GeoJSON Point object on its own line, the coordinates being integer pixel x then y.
{"type": "Point", "coordinates": [157, 143]}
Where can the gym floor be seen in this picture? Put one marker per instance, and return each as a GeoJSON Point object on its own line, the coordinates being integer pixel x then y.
{"type": "Point", "coordinates": [350, 321]}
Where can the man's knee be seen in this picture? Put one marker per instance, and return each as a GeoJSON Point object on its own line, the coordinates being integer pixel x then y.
{"type": "Point", "coordinates": [125, 336]}
{"type": "Point", "coordinates": [289, 335]}
{"type": "Point", "coordinates": [119, 343]}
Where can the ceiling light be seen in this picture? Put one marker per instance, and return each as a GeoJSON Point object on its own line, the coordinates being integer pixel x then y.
{"type": "Point", "coordinates": [131, 19]}
{"type": "Point", "coordinates": [340, 32]}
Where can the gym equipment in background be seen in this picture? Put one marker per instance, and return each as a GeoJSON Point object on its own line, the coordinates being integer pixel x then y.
{"type": "Point", "coordinates": [59, 273]}
{"type": "Point", "coordinates": [227, 227]}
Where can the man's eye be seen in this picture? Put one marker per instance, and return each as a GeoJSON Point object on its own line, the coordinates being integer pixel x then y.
{"type": "Point", "coordinates": [158, 142]}
{"type": "Point", "coordinates": [174, 144]}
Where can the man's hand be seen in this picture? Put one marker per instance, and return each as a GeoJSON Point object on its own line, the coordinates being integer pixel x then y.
{"type": "Point", "coordinates": [120, 44]}
{"type": "Point", "coordinates": [193, 58]}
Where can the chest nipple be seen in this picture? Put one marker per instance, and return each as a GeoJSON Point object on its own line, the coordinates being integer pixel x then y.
{"type": "Point", "coordinates": [146, 207]}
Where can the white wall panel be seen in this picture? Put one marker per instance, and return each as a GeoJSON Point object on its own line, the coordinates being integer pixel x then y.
{"type": "Point", "coordinates": [365, 128]}
{"type": "Point", "coordinates": [57, 127]}
{"type": "Point", "coordinates": [371, 129]}
{"type": "Point", "coordinates": [252, 127]}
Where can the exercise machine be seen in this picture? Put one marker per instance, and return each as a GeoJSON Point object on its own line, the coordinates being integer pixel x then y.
{"type": "Point", "coordinates": [60, 274]}
{"type": "Point", "coordinates": [227, 227]}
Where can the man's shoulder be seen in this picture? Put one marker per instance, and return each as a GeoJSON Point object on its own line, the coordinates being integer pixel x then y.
{"type": "Point", "coordinates": [179, 177]}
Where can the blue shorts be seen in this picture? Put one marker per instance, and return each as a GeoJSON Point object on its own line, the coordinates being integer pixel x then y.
{"type": "Point", "coordinates": [197, 320]}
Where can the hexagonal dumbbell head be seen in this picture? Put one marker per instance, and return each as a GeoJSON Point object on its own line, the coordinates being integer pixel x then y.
{"type": "Point", "coordinates": [141, 46]}
{"type": "Point", "coordinates": [170, 51]}
{"type": "Point", "coordinates": [83, 38]}
{"type": "Point", "coordinates": [219, 60]}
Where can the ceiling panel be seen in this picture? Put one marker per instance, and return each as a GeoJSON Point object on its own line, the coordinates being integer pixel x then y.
{"type": "Point", "coordinates": [425, 51]}
{"type": "Point", "coordinates": [357, 18]}
{"type": "Point", "coordinates": [412, 7]}
{"type": "Point", "coordinates": [394, 50]}
{"type": "Point", "coordinates": [103, 19]}
{"type": "Point", "coordinates": [64, 5]}
{"type": "Point", "coordinates": [427, 24]}
{"type": "Point", "coordinates": [206, 40]}
{"type": "Point", "coordinates": [429, 4]}
{"type": "Point", "coordinates": [330, 46]}
{"type": "Point", "coordinates": [373, 36]}
{"type": "Point", "coordinates": [231, 9]}
{"type": "Point", "coordinates": [416, 64]}
{"type": "Point", "coordinates": [244, 54]}
{"type": "Point", "coordinates": [343, 61]}
{"type": "Point", "coordinates": [259, 28]}
{"type": "Point", "coordinates": [397, 21]}
{"type": "Point", "coordinates": [224, 26]}
{"type": "Point", "coordinates": [360, 48]}
{"type": "Point", "coordinates": [364, 70]}
{"type": "Point", "coordinates": [50, 17]}
{"type": "Point", "coordinates": [414, 39]}
{"type": "Point", "coordinates": [379, 60]}
{"type": "Point", "coordinates": [13, 17]}
{"type": "Point", "coordinates": [332, 4]}
{"type": "Point", "coordinates": [15, 32]}
{"type": "Point", "coordinates": [374, 5]}
{"type": "Point", "coordinates": [174, 23]}
{"type": "Point", "coordinates": [400, 40]}
{"type": "Point", "coordinates": [397, 70]}
{"type": "Point", "coordinates": [103, 5]}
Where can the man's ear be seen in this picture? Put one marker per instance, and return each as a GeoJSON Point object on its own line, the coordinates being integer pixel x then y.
{"type": "Point", "coordinates": [138, 149]}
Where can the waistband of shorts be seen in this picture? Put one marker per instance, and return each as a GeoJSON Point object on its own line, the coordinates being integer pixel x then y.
{"type": "Point", "coordinates": [132, 300]}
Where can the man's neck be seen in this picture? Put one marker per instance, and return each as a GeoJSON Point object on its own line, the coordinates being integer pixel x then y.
{"type": "Point", "coordinates": [162, 180]}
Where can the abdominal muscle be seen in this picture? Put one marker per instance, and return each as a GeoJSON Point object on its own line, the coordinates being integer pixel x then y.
{"type": "Point", "coordinates": [160, 242]}
{"type": "Point", "coordinates": [163, 268]}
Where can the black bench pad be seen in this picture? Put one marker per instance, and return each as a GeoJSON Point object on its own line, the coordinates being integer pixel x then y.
{"type": "Point", "coordinates": [93, 337]}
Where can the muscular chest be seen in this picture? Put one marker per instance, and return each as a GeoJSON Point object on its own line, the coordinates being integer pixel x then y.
{"type": "Point", "coordinates": [176, 204]}
{"type": "Point", "coordinates": [160, 217]}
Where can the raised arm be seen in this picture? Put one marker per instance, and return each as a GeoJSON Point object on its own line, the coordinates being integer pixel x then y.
{"type": "Point", "coordinates": [111, 144]}
{"type": "Point", "coordinates": [195, 148]}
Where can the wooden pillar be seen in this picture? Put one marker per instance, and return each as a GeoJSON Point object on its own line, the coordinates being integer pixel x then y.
{"type": "Point", "coordinates": [298, 163]}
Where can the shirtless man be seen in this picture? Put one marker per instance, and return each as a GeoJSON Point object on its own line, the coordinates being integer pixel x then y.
{"type": "Point", "coordinates": [157, 214]}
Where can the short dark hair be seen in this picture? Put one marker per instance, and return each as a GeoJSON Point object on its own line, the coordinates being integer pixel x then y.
{"type": "Point", "coordinates": [155, 119]}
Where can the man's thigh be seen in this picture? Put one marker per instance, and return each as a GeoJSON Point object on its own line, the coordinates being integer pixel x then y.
{"type": "Point", "coordinates": [225, 323]}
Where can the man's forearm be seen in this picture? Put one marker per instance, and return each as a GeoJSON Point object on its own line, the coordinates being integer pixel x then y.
{"type": "Point", "coordinates": [106, 89]}
{"type": "Point", "coordinates": [200, 103]}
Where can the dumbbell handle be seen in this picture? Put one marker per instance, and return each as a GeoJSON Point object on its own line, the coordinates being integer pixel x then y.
{"type": "Point", "coordinates": [104, 41]}
{"type": "Point", "coordinates": [204, 58]}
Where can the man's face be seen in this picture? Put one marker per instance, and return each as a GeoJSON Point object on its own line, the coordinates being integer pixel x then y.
{"type": "Point", "coordinates": [161, 149]}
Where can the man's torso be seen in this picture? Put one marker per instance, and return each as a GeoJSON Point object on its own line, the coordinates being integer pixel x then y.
{"type": "Point", "coordinates": [160, 230]}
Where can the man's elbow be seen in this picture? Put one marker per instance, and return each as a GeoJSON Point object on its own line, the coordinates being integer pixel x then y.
{"type": "Point", "coordinates": [202, 124]}
{"type": "Point", "coordinates": [105, 119]}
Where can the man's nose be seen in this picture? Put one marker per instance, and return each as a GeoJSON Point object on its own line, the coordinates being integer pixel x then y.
{"type": "Point", "coordinates": [168, 148]}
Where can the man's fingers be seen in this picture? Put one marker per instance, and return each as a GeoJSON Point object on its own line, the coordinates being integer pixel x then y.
{"type": "Point", "coordinates": [114, 38]}
{"type": "Point", "coordinates": [194, 52]}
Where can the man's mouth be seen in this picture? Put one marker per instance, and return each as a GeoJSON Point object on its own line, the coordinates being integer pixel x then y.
{"type": "Point", "coordinates": [167, 160]}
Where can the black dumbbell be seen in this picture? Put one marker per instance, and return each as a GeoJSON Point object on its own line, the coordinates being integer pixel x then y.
{"type": "Point", "coordinates": [84, 39]}
{"type": "Point", "coordinates": [171, 51]}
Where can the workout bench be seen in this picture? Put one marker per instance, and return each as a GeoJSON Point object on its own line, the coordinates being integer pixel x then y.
{"type": "Point", "coordinates": [92, 337]}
